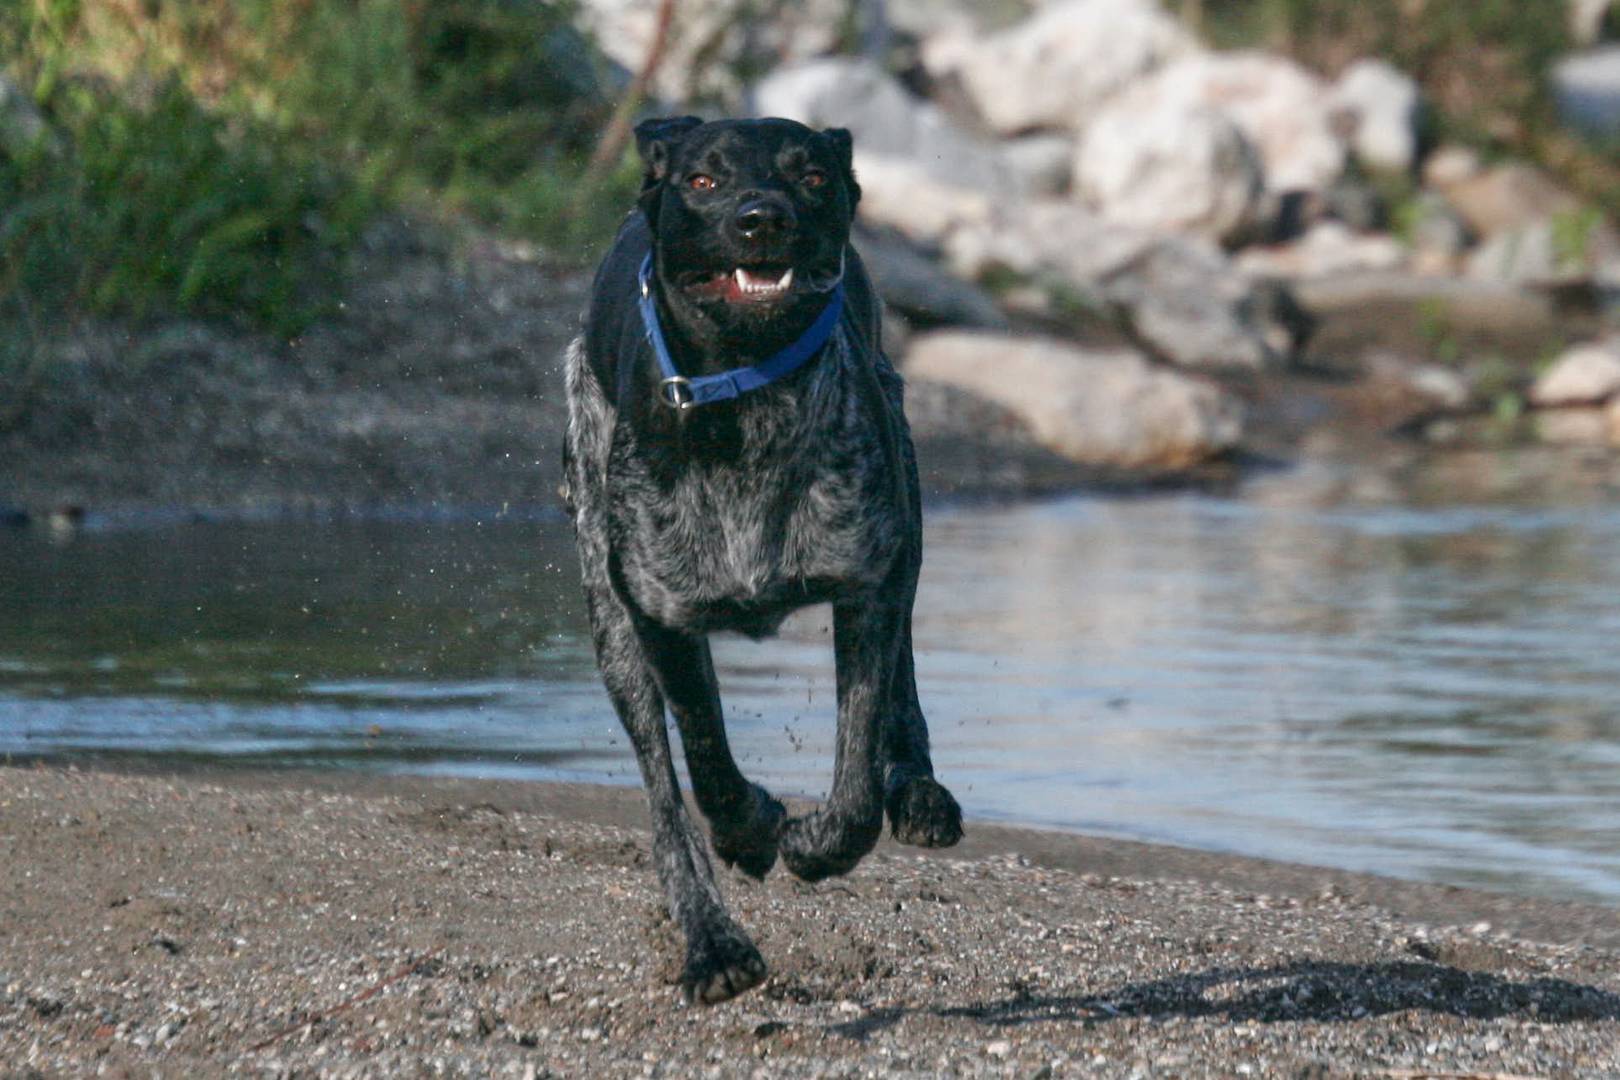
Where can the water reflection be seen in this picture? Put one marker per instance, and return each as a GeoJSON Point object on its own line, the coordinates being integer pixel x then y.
{"type": "Point", "coordinates": [1418, 691]}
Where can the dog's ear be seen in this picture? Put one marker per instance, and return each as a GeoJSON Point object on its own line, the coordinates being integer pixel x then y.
{"type": "Point", "coordinates": [843, 146]}
{"type": "Point", "coordinates": [655, 139]}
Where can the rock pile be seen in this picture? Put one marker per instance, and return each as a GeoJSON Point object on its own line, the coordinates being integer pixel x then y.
{"type": "Point", "coordinates": [1096, 155]}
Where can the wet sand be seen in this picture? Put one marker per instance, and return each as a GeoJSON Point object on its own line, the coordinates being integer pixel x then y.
{"type": "Point", "coordinates": [317, 924]}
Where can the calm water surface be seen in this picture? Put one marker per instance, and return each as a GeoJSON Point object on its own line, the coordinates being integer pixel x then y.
{"type": "Point", "coordinates": [1429, 693]}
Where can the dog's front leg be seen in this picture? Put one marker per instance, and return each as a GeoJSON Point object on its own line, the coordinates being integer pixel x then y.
{"type": "Point", "coordinates": [866, 640]}
{"type": "Point", "coordinates": [743, 816]}
{"type": "Point", "coordinates": [720, 960]}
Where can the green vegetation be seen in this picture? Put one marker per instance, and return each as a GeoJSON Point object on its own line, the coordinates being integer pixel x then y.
{"type": "Point", "coordinates": [222, 158]}
{"type": "Point", "coordinates": [148, 208]}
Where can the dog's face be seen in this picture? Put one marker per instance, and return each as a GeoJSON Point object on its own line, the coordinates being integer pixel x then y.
{"type": "Point", "coordinates": [749, 217]}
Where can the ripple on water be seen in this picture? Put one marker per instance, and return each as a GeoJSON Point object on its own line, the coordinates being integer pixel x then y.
{"type": "Point", "coordinates": [1418, 691]}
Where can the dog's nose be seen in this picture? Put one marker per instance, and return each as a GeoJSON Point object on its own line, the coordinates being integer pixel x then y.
{"type": "Point", "coordinates": [759, 218]}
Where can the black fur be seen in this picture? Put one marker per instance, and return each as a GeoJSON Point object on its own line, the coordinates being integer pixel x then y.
{"type": "Point", "coordinates": [731, 515]}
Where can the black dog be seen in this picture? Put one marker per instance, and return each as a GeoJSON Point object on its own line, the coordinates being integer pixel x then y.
{"type": "Point", "coordinates": [737, 450]}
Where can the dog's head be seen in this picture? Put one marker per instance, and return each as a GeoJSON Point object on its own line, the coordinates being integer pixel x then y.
{"type": "Point", "coordinates": [749, 217]}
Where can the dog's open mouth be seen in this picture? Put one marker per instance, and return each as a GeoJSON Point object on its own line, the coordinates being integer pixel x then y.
{"type": "Point", "coordinates": [747, 285]}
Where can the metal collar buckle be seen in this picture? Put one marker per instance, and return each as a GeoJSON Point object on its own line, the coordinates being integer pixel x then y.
{"type": "Point", "coordinates": [670, 392]}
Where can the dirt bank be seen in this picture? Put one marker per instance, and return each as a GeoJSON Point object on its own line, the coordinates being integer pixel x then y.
{"type": "Point", "coordinates": [436, 386]}
{"type": "Point", "coordinates": [289, 924]}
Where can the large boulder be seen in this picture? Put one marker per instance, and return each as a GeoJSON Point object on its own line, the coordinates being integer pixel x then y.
{"type": "Point", "coordinates": [1283, 110]}
{"type": "Point", "coordinates": [1192, 307]}
{"type": "Point", "coordinates": [1380, 105]}
{"type": "Point", "coordinates": [1096, 407]}
{"type": "Point", "coordinates": [888, 123]}
{"type": "Point", "coordinates": [1056, 68]}
{"type": "Point", "coordinates": [1163, 166]}
{"type": "Point", "coordinates": [1182, 298]}
{"type": "Point", "coordinates": [1585, 375]}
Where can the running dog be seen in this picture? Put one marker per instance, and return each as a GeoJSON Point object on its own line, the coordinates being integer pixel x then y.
{"type": "Point", "coordinates": [737, 450]}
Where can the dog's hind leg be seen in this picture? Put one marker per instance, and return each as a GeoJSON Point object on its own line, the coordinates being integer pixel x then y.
{"type": "Point", "coordinates": [743, 817]}
{"type": "Point", "coordinates": [921, 812]}
{"type": "Point", "coordinates": [721, 962]}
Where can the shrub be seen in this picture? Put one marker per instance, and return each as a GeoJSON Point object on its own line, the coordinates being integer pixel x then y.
{"type": "Point", "coordinates": [136, 209]}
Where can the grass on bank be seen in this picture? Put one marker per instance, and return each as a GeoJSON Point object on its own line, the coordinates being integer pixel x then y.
{"type": "Point", "coordinates": [222, 158]}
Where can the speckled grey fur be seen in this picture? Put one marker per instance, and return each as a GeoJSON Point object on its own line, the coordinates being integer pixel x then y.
{"type": "Point", "coordinates": [729, 517]}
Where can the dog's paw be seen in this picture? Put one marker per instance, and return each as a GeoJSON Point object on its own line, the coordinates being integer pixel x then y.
{"type": "Point", "coordinates": [720, 964]}
{"type": "Point", "coordinates": [922, 813]}
{"type": "Point", "coordinates": [750, 845]}
{"type": "Point", "coordinates": [820, 846]}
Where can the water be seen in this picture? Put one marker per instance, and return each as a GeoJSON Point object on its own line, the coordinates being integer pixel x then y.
{"type": "Point", "coordinates": [1424, 692]}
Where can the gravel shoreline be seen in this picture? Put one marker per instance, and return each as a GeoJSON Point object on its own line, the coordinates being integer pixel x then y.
{"type": "Point", "coordinates": [291, 924]}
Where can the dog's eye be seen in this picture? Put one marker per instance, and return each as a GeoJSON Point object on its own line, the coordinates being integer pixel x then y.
{"type": "Point", "coordinates": [700, 182]}
{"type": "Point", "coordinates": [814, 178]}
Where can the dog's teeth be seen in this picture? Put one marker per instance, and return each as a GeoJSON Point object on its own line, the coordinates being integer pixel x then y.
{"type": "Point", "coordinates": [749, 283]}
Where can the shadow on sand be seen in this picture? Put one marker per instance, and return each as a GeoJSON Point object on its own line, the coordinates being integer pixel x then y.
{"type": "Point", "coordinates": [1301, 991]}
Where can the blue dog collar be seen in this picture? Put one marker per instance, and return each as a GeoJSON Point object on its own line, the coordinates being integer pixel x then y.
{"type": "Point", "coordinates": [680, 392]}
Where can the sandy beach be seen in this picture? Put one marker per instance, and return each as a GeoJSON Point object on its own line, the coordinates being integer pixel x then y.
{"type": "Point", "coordinates": [310, 924]}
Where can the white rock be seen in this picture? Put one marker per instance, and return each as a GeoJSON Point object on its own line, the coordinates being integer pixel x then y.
{"type": "Point", "coordinates": [1587, 89]}
{"type": "Point", "coordinates": [1582, 376]}
{"type": "Point", "coordinates": [1054, 69]}
{"type": "Point", "coordinates": [1586, 19]}
{"type": "Point", "coordinates": [900, 193]}
{"type": "Point", "coordinates": [1281, 108]}
{"type": "Point", "coordinates": [1327, 248]}
{"type": "Point", "coordinates": [888, 123]}
{"type": "Point", "coordinates": [709, 45]}
{"type": "Point", "coordinates": [1098, 407]}
{"type": "Point", "coordinates": [1441, 385]}
{"type": "Point", "coordinates": [1381, 103]}
{"type": "Point", "coordinates": [1437, 386]}
{"type": "Point", "coordinates": [1164, 166]}
{"type": "Point", "coordinates": [1451, 165]}
{"type": "Point", "coordinates": [1573, 426]}
{"type": "Point", "coordinates": [1045, 237]}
